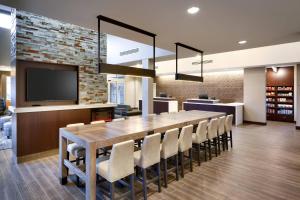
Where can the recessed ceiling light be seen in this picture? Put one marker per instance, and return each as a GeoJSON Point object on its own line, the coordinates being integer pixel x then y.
{"type": "Point", "coordinates": [243, 42]}
{"type": "Point", "coordinates": [193, 10]}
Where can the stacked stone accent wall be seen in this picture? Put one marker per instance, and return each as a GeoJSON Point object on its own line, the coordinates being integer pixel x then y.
{"type": "Point", "coordinates": [47, 40]}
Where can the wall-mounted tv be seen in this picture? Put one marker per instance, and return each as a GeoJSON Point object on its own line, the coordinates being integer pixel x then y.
{"type": "Point", "coordinates": [51, 85]}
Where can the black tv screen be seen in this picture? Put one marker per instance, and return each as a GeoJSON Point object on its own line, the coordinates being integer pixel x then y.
{"type": "Point", "coordinates": [51, 85]}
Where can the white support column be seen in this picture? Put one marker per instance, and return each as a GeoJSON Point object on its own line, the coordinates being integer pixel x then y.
{"type": "Point", "coordinates": [147, 90]}
{"type": "Point", "coordinates": [297, 85]}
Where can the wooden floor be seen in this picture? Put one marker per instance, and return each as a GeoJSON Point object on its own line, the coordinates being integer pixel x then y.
{"type": "Point", "coordinates": [264, 164]}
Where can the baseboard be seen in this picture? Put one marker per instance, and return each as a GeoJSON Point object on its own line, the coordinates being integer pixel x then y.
{"type": "Point", "coordinates": [257, 123]}
{"type": "Point", "coordinates": [30, 157]}
{"type": "Point", "coordinates": [298, 127]}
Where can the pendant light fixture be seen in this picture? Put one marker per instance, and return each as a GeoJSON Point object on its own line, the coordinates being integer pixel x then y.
{"type": "Point", "coordinates": [119, 69]}
{"type": "Point", "coordinates": [186, 77]}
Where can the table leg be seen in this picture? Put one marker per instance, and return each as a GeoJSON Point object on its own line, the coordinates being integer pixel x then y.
{"type": "Point", "coordinates": [90, 155]}
{"type": "Point", "coordinates": [63, 171]}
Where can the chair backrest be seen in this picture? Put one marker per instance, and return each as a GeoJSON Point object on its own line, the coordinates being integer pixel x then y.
{"type": "Point", "coordinates": [170, 143]}
{"type": "Point", "coordinates": [221, 126]}
{"type": "Point", "coordinates": [185, 141]}
{"type": "Point", "coordinates": [118, 119]}
{"type": "Point", "coordinates": [98, 122]}
{"type": "Point", "coordinates": [164, 113]}
{"type": "Point", "coordinates": [76, 124]}
{"type": "Point", "coordinates": [212, 128]}
{"type": "Point", "coordinates": [121, 160]}
{"type": "Point", "coordinates": [228, 123]}
{"type": "Point", "coordinates": [201, 132]}
{"type": "Point", "coordinates": [150, 152]}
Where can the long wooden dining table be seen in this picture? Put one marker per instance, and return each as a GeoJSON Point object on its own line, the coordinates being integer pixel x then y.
{"type": "Point", "coordinates": [93, 137]}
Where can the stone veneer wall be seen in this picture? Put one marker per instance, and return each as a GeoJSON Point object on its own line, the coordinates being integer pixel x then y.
{"type": "Point", "coordinates": [226, 86]}
{"type": "Point", "coordinates": [47, 40]}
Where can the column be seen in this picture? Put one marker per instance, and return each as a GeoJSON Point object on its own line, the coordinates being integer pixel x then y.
{"type": "Point", "coordinates": [147, 90]}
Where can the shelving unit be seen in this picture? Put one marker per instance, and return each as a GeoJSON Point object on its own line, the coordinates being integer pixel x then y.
{"type": "Point", "coordinates": [280, 103]}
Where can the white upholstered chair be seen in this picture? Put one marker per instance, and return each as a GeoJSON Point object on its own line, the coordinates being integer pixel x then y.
{"type": "Point", "coordinates": [119, 166]}
{"type": "Point", "coordinates": [75, 150]}
{"type": "Point", "coordinates": [148, 156]}
{"type": "Point", "coordinates": [184, 145]}
{"type": "Point", "coordinates": [221, 133]}
{"type": "Point", "coordinates": [228, 129]}
{"type": "Point", "coordinates": [169, 149]}
{"type": "Point", "coordinates": [118, 119]}
{"type": "Point", "coordinates": [199, 138]}
{"type": "Point", "coordinates": [98, 122]}
{"type": "Point", "coordinates": [212, 135]}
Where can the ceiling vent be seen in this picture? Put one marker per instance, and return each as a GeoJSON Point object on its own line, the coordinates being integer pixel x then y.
{"type": "Point", "coordinates": [204, 62]}
{"type": "Point", "coordinates": [128, 52]}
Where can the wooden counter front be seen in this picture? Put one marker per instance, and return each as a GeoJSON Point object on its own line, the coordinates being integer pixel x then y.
{"type": "Point", "coordinates": [38, 132]}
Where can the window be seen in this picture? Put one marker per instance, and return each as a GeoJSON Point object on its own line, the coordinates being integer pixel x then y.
{"type": "Point", "coordinates": [8, 88]}
{"type": "Point", "coordinates": [116, 88]}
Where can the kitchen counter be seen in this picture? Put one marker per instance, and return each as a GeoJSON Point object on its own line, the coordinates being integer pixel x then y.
{"type": "Point", "coordinates": [56, 108]}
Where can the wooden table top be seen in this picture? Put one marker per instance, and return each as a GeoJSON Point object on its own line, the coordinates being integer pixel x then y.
{"type": "Point", "coordinates": [107, 134]}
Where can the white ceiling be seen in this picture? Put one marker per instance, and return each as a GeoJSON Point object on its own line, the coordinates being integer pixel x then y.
{"type": "Point", "coordinates": [218, 26]}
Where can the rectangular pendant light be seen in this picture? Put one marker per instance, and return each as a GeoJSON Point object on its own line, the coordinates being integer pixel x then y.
{"type": "Point", "coordinates": [186, 77]}
{"type": "Point", "coordinates": [119, 69]}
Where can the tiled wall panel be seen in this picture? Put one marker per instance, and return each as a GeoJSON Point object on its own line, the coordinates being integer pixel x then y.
{"type": "Point", "coordinates": [226, 86]}
{"type": "Point", "coordinates": [47, 40]}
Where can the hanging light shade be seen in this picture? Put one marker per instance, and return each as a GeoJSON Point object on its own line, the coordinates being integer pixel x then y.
{"type": "Point", "coordinates": [120, 69]}
{"type": "Point", "coordinates": [187, 77]}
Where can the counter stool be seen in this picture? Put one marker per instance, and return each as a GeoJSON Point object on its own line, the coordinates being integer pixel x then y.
{"type": "Point", "coordinates": [221, 133]}
{"type": "Point", "coordinates": [184, 145]}
{"type": "Point", "coordinates": [169, 149]}
{"type": "Point", "coordinates": [119, 166]}
{"type": "Point", "coordinates": [148, 156]}
{"type": "Point", "coordinates": [228, 129]}
{"type": "Point", "coordinates": [200, 137]}
{"type": "Point", "coordinates": [212, 135]}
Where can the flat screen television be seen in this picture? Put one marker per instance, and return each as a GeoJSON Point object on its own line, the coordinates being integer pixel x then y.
{"type": "Point", "coordinates": [51, 85]}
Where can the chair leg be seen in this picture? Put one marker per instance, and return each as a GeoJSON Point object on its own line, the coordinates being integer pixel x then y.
{"type": "Point", "coordinates": [159, 180]}
{"type": "Point", "coordinates": [216, 147]}
{"type": "Point", "coordinates": [182, 163]}
{"type": "Point", "coordinates": [144, 174]}
{"type": "Point", "coordinates": [132, 186]}
{"type": "Point", "coordinates": [205, 153]}
{"type": "Point", "coordinates": [226, 136]}
{"type": "Point", "coordinates": [68, 158]}
{"type": "Point", "coordinates": [191, 159]}
{"type": "Point", "coordinates": [209, 149]}
{"type": "Point", "coordinates": [198, 154]}
{"type": "Point", "coordinates": [112, 190]}
{"type": "Point", "coordinates": [231, 139]}
{"type": "Point", "coordinates": [77, 177]}
{"type": "Point", "coordinates": [223, 142]}
{"type": "Point", "coordinates": [165, 172]}
{"type": "Point", "coordinates": [177, 167]}
{"type": "Point", "coordinates": [219, 145]}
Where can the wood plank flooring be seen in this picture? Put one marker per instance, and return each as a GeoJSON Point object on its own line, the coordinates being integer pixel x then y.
{"type": "Point", "coordinates": [263, 164]}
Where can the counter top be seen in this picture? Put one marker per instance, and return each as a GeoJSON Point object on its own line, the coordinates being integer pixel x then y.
{"type": "Point", "coordinates": [55, 108]}
{"type": "Point", "coordinates": [204, 100]}
{"type": "Point", "coordinates": [235, 104]}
